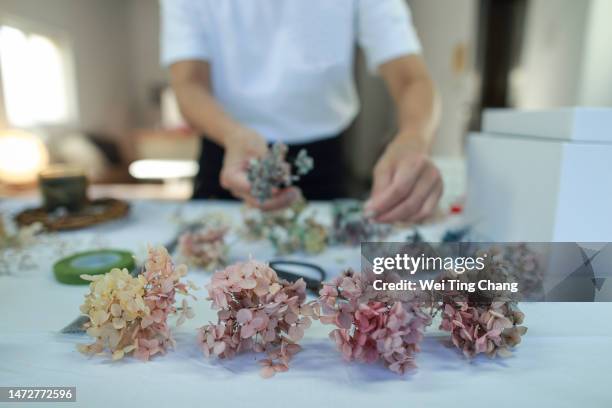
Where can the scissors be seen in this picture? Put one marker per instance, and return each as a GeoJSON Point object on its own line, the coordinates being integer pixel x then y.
{"type": "Point", "coordinates": [289, 270]}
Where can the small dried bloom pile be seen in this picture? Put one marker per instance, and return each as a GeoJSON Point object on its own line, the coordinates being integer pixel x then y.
{"type": "Point", "coordinates": [128, 315]}
{"type": "Point", "coordinates": [256, 311]}
{"type": "Point", "coordinates": [204, 246]}
{"type": "Point", "coordinates": [273, 171]}
{"type": "Point", "coordinates": [22, 237]}
{"type": "Point", "coordinates": [371, 328]}
{"type": "Point", "coordinates": [14, 244]}
{"type": "Point", "coordinates": [289, 230]}
{"type": "Point", "coordinates": [351, 226]}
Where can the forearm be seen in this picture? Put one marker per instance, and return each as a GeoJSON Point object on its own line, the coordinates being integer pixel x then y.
{"type": "Point", "coordinates": [414, 97]}
{"type": "Point", "coordinates": [417, 111]}
{"type": "Point", "coordinates": [199, 107]}
{"type": "Point", "coordinates": [191, 84]}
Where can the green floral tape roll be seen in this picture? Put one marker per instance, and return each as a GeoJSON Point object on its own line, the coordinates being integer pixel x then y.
{"type": "Point", "coordinates": [70, 269]}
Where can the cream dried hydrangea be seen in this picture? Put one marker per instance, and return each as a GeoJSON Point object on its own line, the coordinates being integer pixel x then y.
{"type": "Point", "coordinates": [115, 306]}
{"type": "Point", "coordinates": [129, 314]}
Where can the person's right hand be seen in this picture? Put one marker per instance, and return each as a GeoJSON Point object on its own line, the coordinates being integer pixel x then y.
{"type": "Point", "coordinates": [240, 147]}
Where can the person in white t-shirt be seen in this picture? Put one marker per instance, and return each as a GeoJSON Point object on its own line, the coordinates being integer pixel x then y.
{"type": "Point", "coordinates": [247, 73]}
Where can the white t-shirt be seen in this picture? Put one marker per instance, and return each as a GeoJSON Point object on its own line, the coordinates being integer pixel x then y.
{"type": "Point", "coordinates": [285, 67]}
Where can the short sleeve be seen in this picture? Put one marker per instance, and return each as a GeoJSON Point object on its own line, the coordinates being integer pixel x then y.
{"type": "Point", "coordinates": [385, 31]}
{"type": "Point", "coordinates": [183, 35]}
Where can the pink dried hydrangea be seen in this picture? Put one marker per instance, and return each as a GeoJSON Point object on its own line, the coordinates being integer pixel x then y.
{"type": "Point", "coordinates": [129, 315]}
{"type": "Point", "coordinates": [483, 321]}
{"type": "Point", "coordinates": [204, 247]}
{"type": "Point", "coordinates": [257, 311]}
{"type": "Point", "coordinates": [492, 329]}
{"type": "Point", "coordinates": [370, 329]}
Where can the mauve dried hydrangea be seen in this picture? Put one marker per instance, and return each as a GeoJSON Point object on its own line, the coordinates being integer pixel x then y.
{"type": "Point", "coordinates": [273, 171]}
{"type": "Point", "coordinates": [128, 315]}
{"type": "Point", "coordinates": [351, 226]}
{"type": "Point", "coordinates": [370, 329]}
{"type": "Point", "coordinates": [257, 311]}
{"type": "Point", "coordinates": [289, 230]}
{"type": "Point", "coordinates": [483, 321]}
{"type": "Point", "coordinates": [204, 246]}
{"type": "Point", "coordinates": [492, 329]}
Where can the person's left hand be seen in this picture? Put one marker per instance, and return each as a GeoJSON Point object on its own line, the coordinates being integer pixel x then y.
{"type": "Point", "coordinates": [407, 185]}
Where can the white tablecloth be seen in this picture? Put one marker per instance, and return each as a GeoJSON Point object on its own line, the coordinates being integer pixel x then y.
{"type": "Point", "coordinates": [564, 360]}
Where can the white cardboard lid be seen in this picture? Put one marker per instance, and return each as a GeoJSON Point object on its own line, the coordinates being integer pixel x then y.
{"type": "Point", "coordinates": [565, 124]}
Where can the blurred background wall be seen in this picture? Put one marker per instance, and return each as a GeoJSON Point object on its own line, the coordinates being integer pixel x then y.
{"type": "Point", "coordinates": [96, 33]}
{"type": "Point", "coordinates": [553, 52]}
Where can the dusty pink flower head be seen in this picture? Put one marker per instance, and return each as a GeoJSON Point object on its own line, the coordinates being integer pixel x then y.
{"type": "Point", "coordinates": [371, 329]}
{"type": "Point", "coordinates": [492, 329]}
{"type": "Point", "coordinates": [256, 311]}
{"type": "Point", "coordinates": [130, 314]}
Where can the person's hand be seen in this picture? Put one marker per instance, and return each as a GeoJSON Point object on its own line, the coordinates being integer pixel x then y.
{"type": "Point", "coordinates": [240, 147]}
{"type": "Point", "coordinates": [407, 185]}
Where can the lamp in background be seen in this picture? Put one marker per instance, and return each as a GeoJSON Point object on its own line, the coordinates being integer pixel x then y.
{"type": "Point", "coordinates": [22, 156]}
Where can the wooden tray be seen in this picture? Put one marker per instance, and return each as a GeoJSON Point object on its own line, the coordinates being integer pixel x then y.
{"type": "Point", "coordinates": [96, 212]}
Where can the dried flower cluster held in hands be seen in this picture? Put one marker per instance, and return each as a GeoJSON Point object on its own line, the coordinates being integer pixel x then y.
{"type": "Point", "coordinates": [204, 246]}
{"type": "Point", "coordinates": [129, 315]}
{"type": "Point", "coordinates": [351, 226]}
{"type": "Point", "coordinates": [273, 171]}
{"type": "Point", "coordinates": [371, 328]}
{"type": "Point", "coordinates": [289, 230]}
{"type": "Point", "coordinates": [256, 311]}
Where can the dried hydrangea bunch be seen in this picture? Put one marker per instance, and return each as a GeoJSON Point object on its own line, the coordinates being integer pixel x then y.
{"type": "Point", "coordinates": [258, 223]}
{"type": "Point", "coordinates": [492, 329]}
{"type": "Point", "coordinates": [289, 230]}
{"type": "Point", "coordinates": [204, 246]}
{"type": "Point", "coordinates": [372, 328]}
{"type": "Point", "coordinates": [129, 315]}
{"type": "Point", "coordinates": [351, 226]}
{"type": "Point", "coordinates": [256, 311]}
{"type": "Point", "coordinates": [481, 321]}
{"type": "Point", "coordinates": [273, 171]}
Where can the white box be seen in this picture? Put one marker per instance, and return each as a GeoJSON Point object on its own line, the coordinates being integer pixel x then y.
{"type": "Point", "coordinates": [577, 124]}
{"type": "Point", "coordinates": [542, 176]}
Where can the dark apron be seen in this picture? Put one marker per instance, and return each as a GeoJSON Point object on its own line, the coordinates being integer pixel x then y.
{"type": "Point", "coordinates": [326, 181]}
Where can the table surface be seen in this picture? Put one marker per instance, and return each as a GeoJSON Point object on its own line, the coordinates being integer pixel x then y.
{"type": "Point", "coordinates": [564, 360]}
